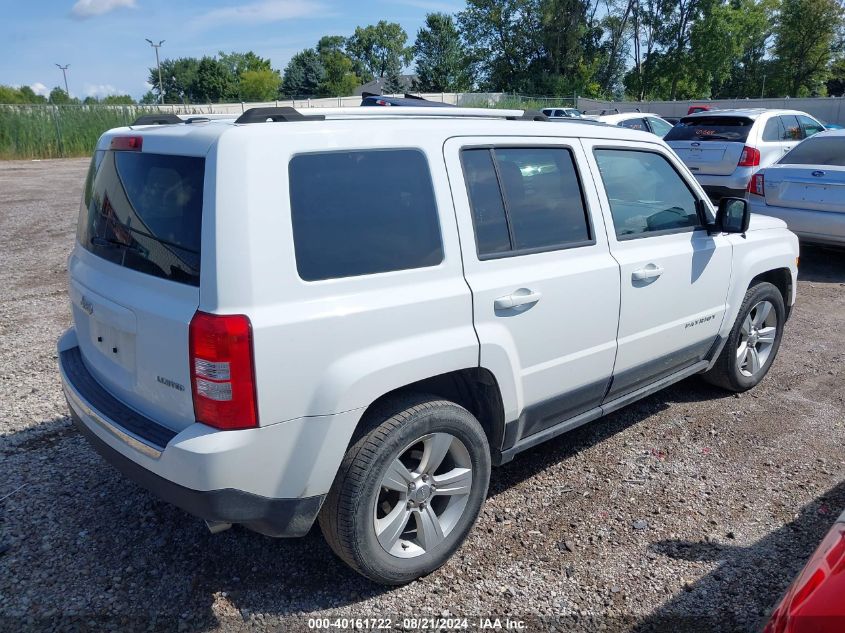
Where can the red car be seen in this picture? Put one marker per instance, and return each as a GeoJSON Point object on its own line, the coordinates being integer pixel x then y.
{"type": "Point", "coordinates": [699, 108]}
{"type": "Point", "coordinates": [815, 601]}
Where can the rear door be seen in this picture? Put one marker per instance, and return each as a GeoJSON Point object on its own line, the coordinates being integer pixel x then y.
{"type": "Point", "coordinates": [545, 288]}
{"type": "Point", "coordinates": [674, 276]}
{"type": "Point", "coordinates": [134, 278]}
{"type": "Point", "coordinates": [710, 144]}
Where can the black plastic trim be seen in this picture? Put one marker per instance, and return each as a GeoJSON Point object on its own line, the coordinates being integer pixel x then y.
{"type": "Point", "coordinates": [543, 415]}
{"type": "Point", "coordinates": [633, 379]}
{"type": "Point", "coordinates": [110, 407]}
{"type": "Point", "coordinates": [272, 517]}
{"type": "Point", "coordinates": [503, 457]}
{"type": "Point", "coordinates": [277, 115]}
{"type": "Point", "coordinates": [157, 119]}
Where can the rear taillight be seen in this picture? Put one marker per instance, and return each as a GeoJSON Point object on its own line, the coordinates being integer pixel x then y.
{"type": "Point", "coordinates": [750, 157]}
{"type": "Point", "coordinates": [223, 371]}
{"type": "Point", "coordinates": [757, 184]}
{"type": "Point", "coordinates": [127, 143]}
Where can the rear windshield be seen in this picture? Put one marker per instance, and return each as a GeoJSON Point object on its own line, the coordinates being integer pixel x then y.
{"type": "Point", "coordinates": [818, 150]}
{"type": "Point", "coordinates": [144, 211]}
{"type": "Point", "coordinates": [711, 128]}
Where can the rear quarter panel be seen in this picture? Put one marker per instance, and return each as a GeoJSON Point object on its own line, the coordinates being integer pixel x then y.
{"type": "Point", "coordinates": [336, 345]}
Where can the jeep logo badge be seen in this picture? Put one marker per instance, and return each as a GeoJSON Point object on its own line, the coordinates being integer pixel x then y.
{"type": "Point", "coordinates": [87, 305]}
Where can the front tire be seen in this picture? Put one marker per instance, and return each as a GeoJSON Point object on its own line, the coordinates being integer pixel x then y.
{"type": "Point", "coordinates": [754, 340]}
{"type": "Point", "coordinates": [408, 490]}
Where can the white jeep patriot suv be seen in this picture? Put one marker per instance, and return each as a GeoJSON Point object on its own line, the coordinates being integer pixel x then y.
{"type": "Point", "coordinates": [349, 315]}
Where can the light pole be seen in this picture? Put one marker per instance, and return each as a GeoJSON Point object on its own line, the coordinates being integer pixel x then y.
{"type": "Point", "coordinates": [64, 74]}
{"type": "Point", "coordinates": [158, 65]}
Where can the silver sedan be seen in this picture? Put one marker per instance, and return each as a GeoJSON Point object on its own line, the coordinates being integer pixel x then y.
{"type": "Point", "coordinates": [806, 189]}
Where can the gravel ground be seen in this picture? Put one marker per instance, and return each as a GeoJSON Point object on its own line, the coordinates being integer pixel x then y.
{"type": "Point", "coordinates": [690, 509]}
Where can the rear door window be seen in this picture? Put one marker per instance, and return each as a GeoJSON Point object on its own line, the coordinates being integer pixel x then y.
{"type": "Point", "coordinates": [525, 200]}
{"type": "Point", "coordinates": [634, 124]}
{"type": "Point", "coordinates": [811, 126]}
{"type": "Point", "coordinates": [363, 212]}
{"type": "Point", "coordinates": [144, 211]}
{"type": "Point", "coordinates": [819, 150]}
{"type": "Point", "coordinates": [791, 128]}
{"type": "Point", "coordinates": [711, 128]}
{"type": "Point", "coordinates": [774, 131]}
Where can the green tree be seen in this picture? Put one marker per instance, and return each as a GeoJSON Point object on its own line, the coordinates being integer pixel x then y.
{"type": "Point", "coordinates": [28, 95]}
{"type": "Point", "coordinates": [149, 98]}
{"type": "Point", "coordinates": [239, 63]}
{"type": "Point", "coordinates": [214, 82]}
{"type": "Point", "coordinates": [441, 56]}
{"type": "Point", "coordinates": [60, 97]}
{"type": "Point", "coordinates": [9, 95]}
{"type": "Point", "coordinates": [259, 85]}
{"type": "Point", "coordinates": [339, 78]}
{"type": "Point", "coordinates": [118, 100]}
{"type": "Point", "coordinates": [179, 79]}
{"type": "Point", "coordinates": [806, 39]}
{"type": "Point", "coordinates": [379, 50]}
{"type": "Point", "coordinates": [502, 39]}
{"type": "Point", "coordinates": [303, 74]}
{"type": "Point", "coordinates": [836, 83]}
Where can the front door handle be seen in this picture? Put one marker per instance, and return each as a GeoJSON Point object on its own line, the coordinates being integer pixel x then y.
{"type": "Point", "coordinates": [652, 271]}
{"type": "Point", "coordinates": [521, 297]}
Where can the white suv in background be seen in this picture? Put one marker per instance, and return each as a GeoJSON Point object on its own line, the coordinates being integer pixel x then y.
{"type": "Point", "coordinates": [349, 315]}
{"type": "Point", "coordinates": [724, 148]}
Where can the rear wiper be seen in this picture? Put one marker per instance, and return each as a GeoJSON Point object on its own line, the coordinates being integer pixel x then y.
{"type": "Point", "coordinates": [713, 137]}
{"type": "Point", "coordinates": [109, 242]}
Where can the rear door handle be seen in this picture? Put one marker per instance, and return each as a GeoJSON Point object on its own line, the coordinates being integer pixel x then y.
{"type": "Point", "coordinates": [652, 271]}
{"type": "Point", "coordinates": [521, 297]}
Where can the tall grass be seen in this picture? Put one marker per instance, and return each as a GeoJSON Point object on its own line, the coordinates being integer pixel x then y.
{"type": "Point", "coordinates": [58, 131]}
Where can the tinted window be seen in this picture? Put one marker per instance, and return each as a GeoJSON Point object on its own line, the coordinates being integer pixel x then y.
{"type": "Point", "coordinates": [810, 126]}
{"type": "Point", "coordinates": [634, 124]}
{"type": "Point", "coordinates": [524, 199]}
{"type": "Point", "coordinates": [144, 211]}
{"type": "Point", "coordinates": [543, 197]}
{"type": "Point", "coordinates": [488, 209]}
{"type": "Point", "coordinates": [646, 193]}
{"type": "Point", "coordinates": [711, 128]}
{"type": "Point", "coordinates": [792, 130]}
{"type": "Point", "coordinates": [658, 126]}
{"type": "Point", "coordinates": [774, 129]}
{"type": "Point", "coordinates": [359, 213]}
{"type": "Point", "coordinates": [819, 150]}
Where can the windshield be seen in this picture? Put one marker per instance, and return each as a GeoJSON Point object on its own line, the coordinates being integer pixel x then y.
{"type": "Point", "coordinates": [711, 128]}
{"type": "Point", "coordinates": [818, 150]}
{"type": "Point", "coordinates": [144, 211]}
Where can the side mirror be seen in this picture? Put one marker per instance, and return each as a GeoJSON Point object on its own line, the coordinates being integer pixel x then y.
{"type": "Point", "coordinates": [733, 215]}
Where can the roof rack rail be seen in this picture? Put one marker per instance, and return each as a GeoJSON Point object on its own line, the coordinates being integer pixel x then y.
{"type": "Point", "coordinates": [282, 114]}
{"type": "Point", "coordinates": [529, 115]}
{"type": "Point", "coordinates": [163, 118]}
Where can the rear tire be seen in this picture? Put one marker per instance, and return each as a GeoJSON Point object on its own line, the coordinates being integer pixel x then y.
{"type": "Point", "coordinates": [754, 340]}
{"type": "Point", "coordinates": [408, 490]}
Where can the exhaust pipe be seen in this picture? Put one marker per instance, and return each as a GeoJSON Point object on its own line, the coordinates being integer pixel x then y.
{"type": "Point", "coordinates": [215, 527]}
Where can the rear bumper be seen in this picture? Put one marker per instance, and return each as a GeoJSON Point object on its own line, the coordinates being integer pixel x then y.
{"type": "Point", "coordinates": [273, 517]}
{"type": "Point", "coordinates": [730, 186]}
{"type": "Point", "coordinates": [271, 479]}
{"type": "Point", "coordinates": [716, 192]}
{"type": "Point", "coordinates": [819, 227]}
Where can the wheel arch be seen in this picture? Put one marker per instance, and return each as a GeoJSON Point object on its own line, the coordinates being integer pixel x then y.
{"type": "Point", "coordinates": [474, 388]}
